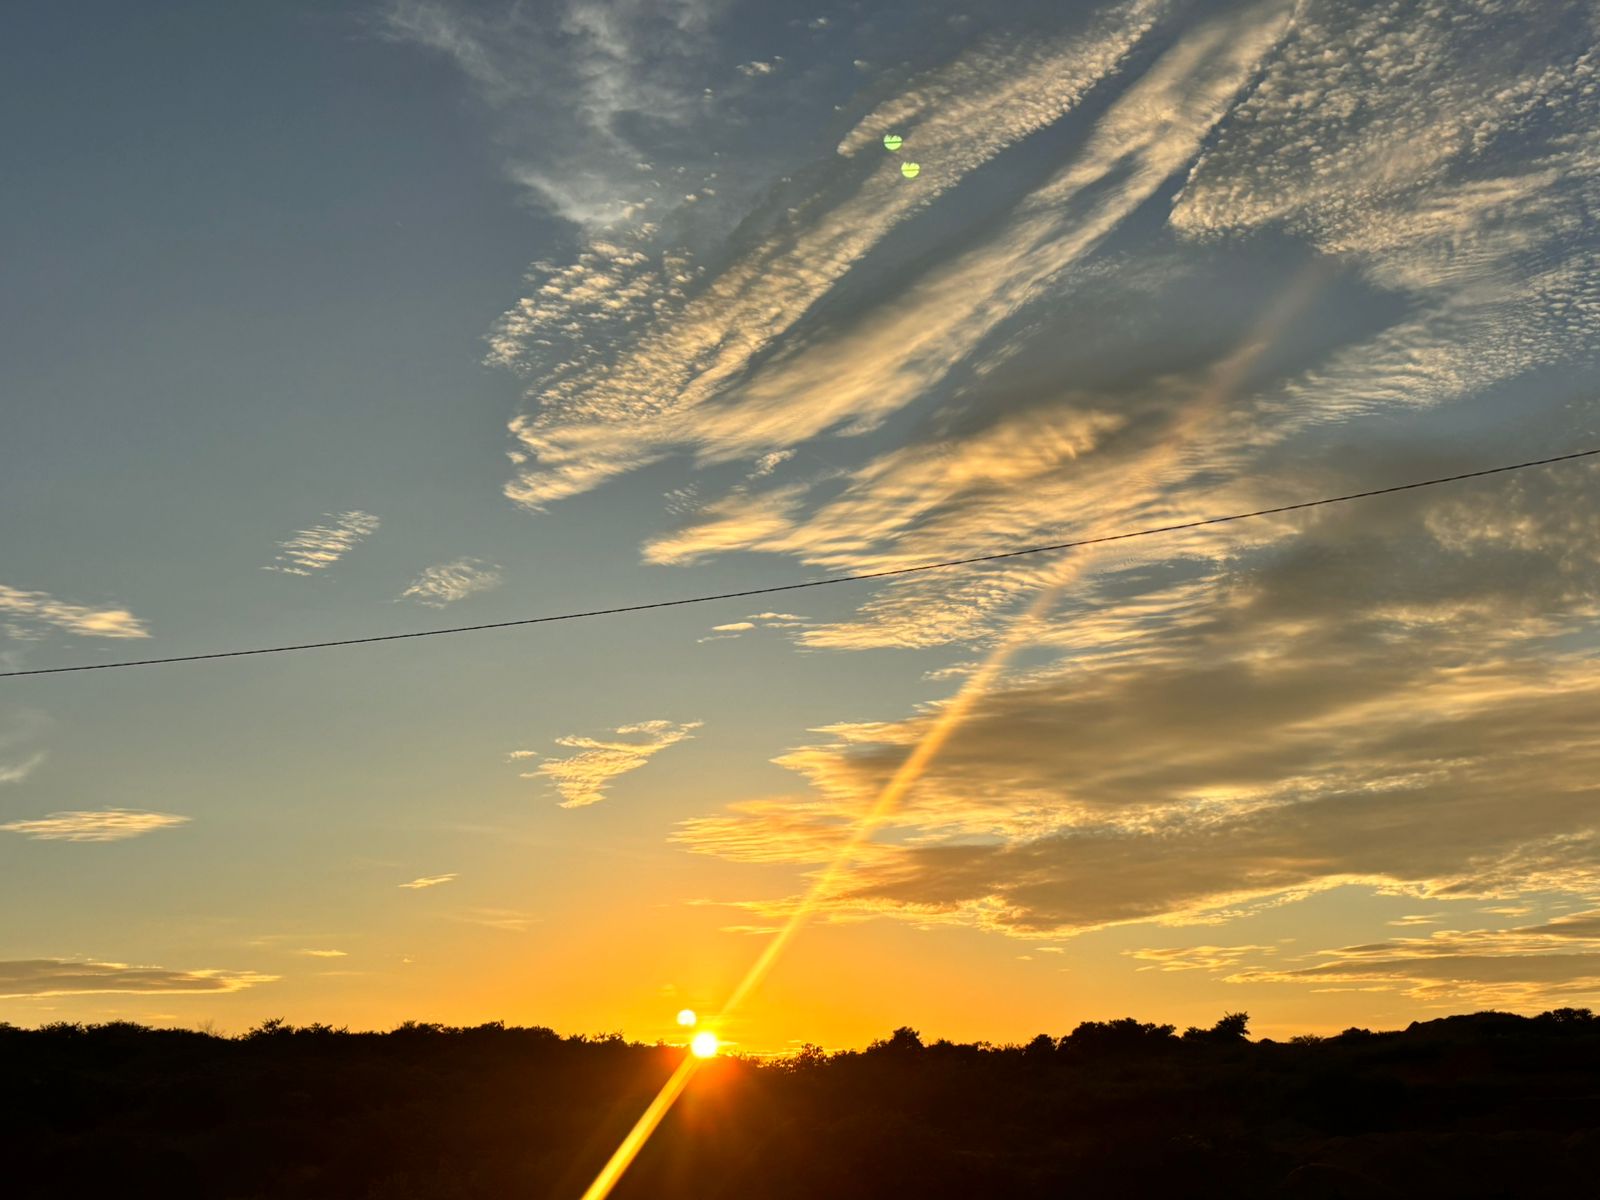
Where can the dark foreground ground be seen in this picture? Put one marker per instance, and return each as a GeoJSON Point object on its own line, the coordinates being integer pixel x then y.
{"type": "Point", "coordinates": [1471, 1106]}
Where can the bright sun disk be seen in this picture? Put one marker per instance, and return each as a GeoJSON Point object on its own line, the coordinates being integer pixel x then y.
{"type": "Point", "coordinates": [704, 1044]}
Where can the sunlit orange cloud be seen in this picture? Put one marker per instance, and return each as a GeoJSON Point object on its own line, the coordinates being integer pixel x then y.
{"type": "Point", "coordinates": [1021, 632]}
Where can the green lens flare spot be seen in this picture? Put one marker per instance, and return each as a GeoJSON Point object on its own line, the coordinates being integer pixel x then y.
{"type": "Point", "coordinates": [891, 141]}
{"type": "Point", "coordinates": [910, 170]}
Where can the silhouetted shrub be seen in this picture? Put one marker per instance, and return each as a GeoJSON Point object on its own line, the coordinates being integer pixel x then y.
{"type": "Point", "coordinates": [1479, 1105]}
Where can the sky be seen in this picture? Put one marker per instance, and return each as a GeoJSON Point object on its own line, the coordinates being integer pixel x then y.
{"type": "Point", "coordinates": [329, 321]}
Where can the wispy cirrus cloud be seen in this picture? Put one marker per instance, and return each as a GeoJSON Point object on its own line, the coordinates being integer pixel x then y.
{"type": "Point", "coordinates": [16, 772]}
{"type": "Point", "coordinates": [760, 620]}
{"type": "Point", "coordinates": [69, 977]}
{"type": "Point", "coordinates": [41, 608]}
{"type": "Point", "coordinates": [99, 825]}
{"type": "Point", "coordinates": [1197, 958]}
{"type": "Point", "coordinates": [508, 920]}
{"type": "Point", "coordinates": [448, 582]}
{"type": "Point", "coordinates": [318, 548]}
{"type": "Point", "coordinates": [428, 881]}
{"type": "Point", "coordinates": [584, 778]}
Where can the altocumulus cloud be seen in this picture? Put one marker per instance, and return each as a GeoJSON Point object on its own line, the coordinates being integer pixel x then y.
{"type": "Point", "coordinates": [584, 777]}
{"type": "Point", "coordinates": [448, 582]}
{"type": "Point", "coordinates": [318, 548]}
{"type": "Point", "coordinates": [85, 620]}
{"type": "Point", "coordinates": [103, 825]}
{"type": "Point", "coordinates": [68, 977]}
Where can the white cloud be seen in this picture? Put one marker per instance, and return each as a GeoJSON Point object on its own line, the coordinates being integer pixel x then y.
{"type": "Point", "coordinates": [68, 977]}
{"type": "Point", "coordinates": [45, 609]}
{"type": "Point", "coordinates": [508, 920]}
{"type": "Point", "coordinates": [16, 772]}
{"type": "Point", "coordinates": [583, 778]}
{"type": "Point", "coordinates": [319, 547]}
{"type": "Point", "coordinates": [763, 620]}
{"type": "Point", "coordinates": [448, 582]}
{"type": "Point", "coordinates": [103, 825]}
{"type": "Point", "coordinates": [428, 881]}
{"type": "Point", "coordinates": [570, 81]}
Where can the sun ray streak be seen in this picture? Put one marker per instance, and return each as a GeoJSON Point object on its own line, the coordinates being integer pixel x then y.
{"type": "Point", "coordinates": [642, 1129]}
{"type": "Point", "coordinates": [1273, 323]}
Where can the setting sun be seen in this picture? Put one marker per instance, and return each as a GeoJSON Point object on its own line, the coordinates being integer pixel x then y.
{"type": "Point", "coordinates": [1086, 664]}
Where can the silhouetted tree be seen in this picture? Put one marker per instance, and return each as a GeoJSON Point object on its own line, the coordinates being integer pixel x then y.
{"type": "Point", "coordinates": [1229, 1028]}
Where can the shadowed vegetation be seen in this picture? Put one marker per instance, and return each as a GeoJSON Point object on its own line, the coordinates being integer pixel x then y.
{"type": "Point", "coordinates": [1490, 1104]}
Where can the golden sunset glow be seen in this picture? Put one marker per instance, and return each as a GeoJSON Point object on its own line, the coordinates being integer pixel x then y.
{"type": "Point", "coordinates": [747, 534]}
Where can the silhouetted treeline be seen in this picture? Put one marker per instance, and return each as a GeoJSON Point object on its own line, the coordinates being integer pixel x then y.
{"type": "Point", "coordinates": [1485, 1105]}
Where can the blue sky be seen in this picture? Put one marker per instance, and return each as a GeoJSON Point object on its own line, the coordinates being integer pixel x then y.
{"type": "Point", "coordinates": [325, 321]}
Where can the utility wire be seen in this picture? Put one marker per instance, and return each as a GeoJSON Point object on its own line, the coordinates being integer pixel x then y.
{"type": "Point", "coordinates": [813, 583]}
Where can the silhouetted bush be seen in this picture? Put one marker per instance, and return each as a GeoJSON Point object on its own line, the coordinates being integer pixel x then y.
{"type": "Point", "coordinates": [1478, 1105]}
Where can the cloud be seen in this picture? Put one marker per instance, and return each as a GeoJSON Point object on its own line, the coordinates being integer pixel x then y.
{"type": "Point", "coordinates": [680, 380]}
{"type": "Point", "coordinates": [44, 609]}
{"type": "Point", "coordinates": [324, 953]}
{"type": "Point", "coordinates": [585, 777]}
{"type": "Point", "coordinates": [1472, 210]}
{"type": "Point", "coordinates": [446, 583]}
{"type": "Point", "coordinates": [319, 547]}
{"type": "Point", "coordinates": [506, 919]}
{"type": "Point", "coordinates": [103, 825]}
{"type": "Point", "coordinates": [1413, 717]}
{"type": "Point", "coordinates": [428, 881]}
{"type": "Point", "coordinates": [16, 772]}
{"type": "Point", "coordinates": [1197, 958]}
{"type": "Point", "coordinates": [67, 977]}
{"type": "Point", "coordinates": [1528, 967]}
{"type": "Point", "coordinates": [964, 493]}
{"type": "Point", "coordinates": [762, 620]}
{"type": "Point", "coordinates": [1396, 695]}
{"type": "Point", "coordinates": [582, 90]}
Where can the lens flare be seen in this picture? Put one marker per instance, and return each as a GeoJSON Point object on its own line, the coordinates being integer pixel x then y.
{"type": "Point", "coordinates": [687, 1018]}
{"type": "Point", "coordinates": [705, 1044]}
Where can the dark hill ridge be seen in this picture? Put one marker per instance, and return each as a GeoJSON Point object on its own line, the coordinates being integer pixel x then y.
{"type": "Point", "coordinates": [1490, 1104]}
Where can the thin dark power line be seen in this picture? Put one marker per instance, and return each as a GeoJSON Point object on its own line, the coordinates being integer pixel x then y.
{"type": "Point", "coordinates": [812, 583]}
